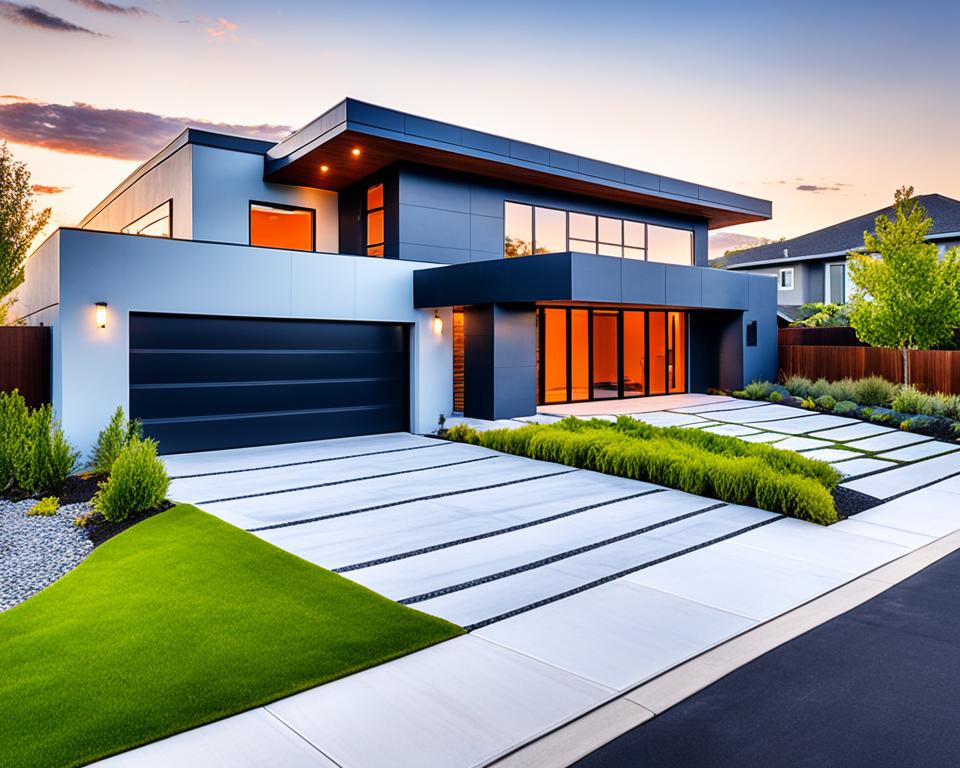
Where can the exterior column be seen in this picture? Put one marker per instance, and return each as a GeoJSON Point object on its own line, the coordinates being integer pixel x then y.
{"type": "Point", "coordinates": [499, 361]}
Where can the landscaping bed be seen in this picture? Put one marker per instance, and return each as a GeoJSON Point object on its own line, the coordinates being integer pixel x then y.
{"type": "Point", "coordinates": [176, 622]}
{"type": "Point", "coordinates": [872, 399]}
{"type": "Point", "coordinates": [697, 462]}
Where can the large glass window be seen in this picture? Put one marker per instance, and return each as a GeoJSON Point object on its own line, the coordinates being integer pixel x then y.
{"type": "Point", "coordinates": [529, 229]}
{"type": "Point", "coordinates": [601, 354]}
{"type": "Point", "coordinates": [375, 228]}
{"type": "Point", "coordinates": [657, 353]}
{"type": "Point", "coordinates": [549, 230]}
{"type": "Point", "coordinates": [555, 356]}
{"type": "Point", "coordinates": [517, 230]}
{"type": "Point", "coordinates": [668, 245]}
{"type": "Point", "coordinates": [606, 355]}
{"type": "Point", "coordinates": [836, 283]}
{"type": "Point", "coordinates": [281, 226]}
{"type": "Point", "coordinates": [634, 353]}
{"type": "Point", "coordinates": [155, 223]}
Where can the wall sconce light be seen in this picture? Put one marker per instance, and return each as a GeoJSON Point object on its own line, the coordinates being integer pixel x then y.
{"type": "Point", "coordinates": [324, 168]}
{"type": "Point", "coordinates": [101, 314]}
{"type": "Point", "coordinates": [355, 151]}
{"type": "Point", "coordinates": [437, 322]}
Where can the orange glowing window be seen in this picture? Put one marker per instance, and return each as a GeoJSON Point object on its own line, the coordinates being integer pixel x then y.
{"type": "Point", "coordinates": [677, 352]}
{"type": "Point", "coordinates": [634, 354]}
{"type": "Point", "coordinates": [579, 354]}
{"type": "Point", "coordinates": [657, 354]}
{"type": "Point", "coordinates": [375, 228]}
{"type": "Point", "coordinates": [555, 356]}
{"type": "Point", "coordinates": [278, 226]}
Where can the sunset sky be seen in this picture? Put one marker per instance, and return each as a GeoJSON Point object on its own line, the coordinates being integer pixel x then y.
{"type": "Point", "coordinates": [823, 107]}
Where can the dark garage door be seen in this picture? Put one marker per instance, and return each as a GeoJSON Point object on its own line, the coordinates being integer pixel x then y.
{"type": "Point", "coordinates": [202, 383]}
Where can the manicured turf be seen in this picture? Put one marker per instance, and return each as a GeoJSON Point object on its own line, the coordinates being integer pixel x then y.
{"type": "Point", "coordinates": [176, 622]}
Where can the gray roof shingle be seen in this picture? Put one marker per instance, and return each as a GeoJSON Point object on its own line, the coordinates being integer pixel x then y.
{"type": "Point", "coordinates": [847, 235]}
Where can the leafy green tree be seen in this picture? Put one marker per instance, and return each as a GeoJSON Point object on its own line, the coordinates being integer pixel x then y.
{"type": "Point", "coordinates": [20, 223]}
{"type": "Point", "coordinates": [906, 295]}
{"type": "Point", "coordinates": [816, 314]}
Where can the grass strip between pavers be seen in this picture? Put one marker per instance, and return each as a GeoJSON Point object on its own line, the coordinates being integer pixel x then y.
{"type": "Point", "coordinates": [179, 621]}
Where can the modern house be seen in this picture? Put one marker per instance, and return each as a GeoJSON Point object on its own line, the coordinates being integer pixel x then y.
{"type": "Point", "coordinates": [376, 270]}
{"type": "Point", "coordinates": [813, 267]}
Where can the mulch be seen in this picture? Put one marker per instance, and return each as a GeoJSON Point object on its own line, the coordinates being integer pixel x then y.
{"type": "Point", "coordinates": [100, 530]}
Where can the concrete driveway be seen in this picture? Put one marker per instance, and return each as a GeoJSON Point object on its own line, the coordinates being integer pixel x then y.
{"type": "Point", "coordinates": [576, 586]}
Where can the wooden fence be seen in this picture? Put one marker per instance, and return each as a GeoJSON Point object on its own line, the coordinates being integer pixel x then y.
{"type": "Point", "coordinates": [930, 370]}
{"type": "Point", "coordinates": [25, 362]}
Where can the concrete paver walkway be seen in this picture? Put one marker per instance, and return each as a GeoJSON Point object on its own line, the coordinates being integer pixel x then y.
{"type": "Point", "coordinates": [576, 585]}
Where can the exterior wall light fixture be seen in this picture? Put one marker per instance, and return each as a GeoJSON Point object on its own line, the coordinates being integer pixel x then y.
{"type": "Point", "coordinates": [355, 151]}
{"type": "Point", "coordinates": [437, 322]}
{"type": "Point", "coordinates": [101, 314]}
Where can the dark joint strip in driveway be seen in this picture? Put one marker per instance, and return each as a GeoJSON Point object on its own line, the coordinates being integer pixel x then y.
{"type": "Point", "coordinates": [488, 534]}
{"type": "Point", "coordinates": [348, 480]}
{"type": "Point", "coordinates": [308, 461]}
{"type": "Point", "coordinates": [431, 497]}
{"type": "Point", "coordinates": [619, 575]}
{"type": "Point", "coordinates": [556, 558]}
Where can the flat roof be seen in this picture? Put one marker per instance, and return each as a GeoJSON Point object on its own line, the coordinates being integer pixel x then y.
{"type": "Point", "coordinates": [384, 136]}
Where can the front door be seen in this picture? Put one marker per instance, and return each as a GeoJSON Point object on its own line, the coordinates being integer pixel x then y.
{"type": "Point", "coordinates": [602, 354]}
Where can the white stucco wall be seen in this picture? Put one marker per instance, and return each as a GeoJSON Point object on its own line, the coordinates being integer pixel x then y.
{"type": "Point", "coordinates": [170, 180]}
{"type": "Point", "coordinates": [134, 274]}
{"type": "Point", "coordinates": [224, 183]}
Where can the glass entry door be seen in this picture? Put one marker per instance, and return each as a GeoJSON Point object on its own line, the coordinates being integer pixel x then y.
{"type": "Point", "coordinates": [601, 354]}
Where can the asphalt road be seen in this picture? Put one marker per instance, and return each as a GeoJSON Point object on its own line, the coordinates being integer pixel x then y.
{"type": "Point", "coordinates": [877, 686]}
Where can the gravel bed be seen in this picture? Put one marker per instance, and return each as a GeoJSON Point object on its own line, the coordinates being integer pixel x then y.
{"type": "Point", "coordinates": [36, 551]}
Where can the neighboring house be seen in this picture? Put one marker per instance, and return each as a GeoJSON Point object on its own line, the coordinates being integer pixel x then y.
{"type": "Point", "coordinates": [376, 270]}
{"type": "Point", "coordinates": [813, 267]}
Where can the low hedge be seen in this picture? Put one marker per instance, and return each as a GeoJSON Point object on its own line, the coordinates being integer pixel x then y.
{"type": "Point", "coordinates": [689, 460]}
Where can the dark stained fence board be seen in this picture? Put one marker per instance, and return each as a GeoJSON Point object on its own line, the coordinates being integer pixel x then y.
{"type": "Point", "coordinates": [25, 362]}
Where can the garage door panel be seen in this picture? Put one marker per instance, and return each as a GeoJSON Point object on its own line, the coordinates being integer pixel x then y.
{"type": "Point", "coordinates": [214, 433]}
{"type": "Point", "coordinates": [203, 367]}
{"type": "Point", "coordinates": [193, 332]}
{"type": "Point", "coordinates": [168, 401]}
{"type": "Point", "coordinates": [206, 383]}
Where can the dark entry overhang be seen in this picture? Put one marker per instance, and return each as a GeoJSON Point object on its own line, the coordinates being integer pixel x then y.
{"type": "Point", "coordinates": [355, 139]}
{"type": "Point", "coordinates": [581, 277]}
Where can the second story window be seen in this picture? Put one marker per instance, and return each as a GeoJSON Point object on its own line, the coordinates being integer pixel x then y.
{"type": "Point", "coordinates": [155, 223]}
{"type": "Point", "coordinates": [281, 226]}
{"type": "Point", "coordinates": [375, 229]}
{"type": "Point", "coordinates": [530, 229]}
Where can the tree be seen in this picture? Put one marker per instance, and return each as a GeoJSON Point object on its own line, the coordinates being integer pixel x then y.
{"type": "Point", "coordinates": [906, 295]}
{"type": "Point", "coordinates": [20, 223]}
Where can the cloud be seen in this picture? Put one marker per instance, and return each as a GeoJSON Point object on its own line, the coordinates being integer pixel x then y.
{"type": "Point", "coordinates": [223, 30]}
{"type": "Point", "coordinates": [37, 18]}
{"type": "Point", "coordinates": [45, 189]}
{"type": "Point", "coordinates": [103, 7]}
{"type": "Point", "coordinates": [125, 134]}
{"type": "Point", "coordinates": [819, 188]}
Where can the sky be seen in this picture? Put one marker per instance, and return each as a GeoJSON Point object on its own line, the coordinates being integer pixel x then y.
{"type": "Point", "coordinates": [825, 108]}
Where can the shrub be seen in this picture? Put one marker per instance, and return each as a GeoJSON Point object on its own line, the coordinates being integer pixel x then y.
{"type": "Point", "coordinates": [462, 433]}
{"type": "Point", "coordinates": [912, 400]}
{"type": "Point", "coordinates": [947, 406]}
{"type": "Point", "coordinates": [51, 457]}
{"type": "Point", "coordinates": [826, 402]}
{"type": "Point", "coordinates": [845, 407]}
{"type": "Point", "coordinates": [819, 388]}
{"type": "Point", "coordinates": [757, 390]}
{"type": "Point", "coordinates": [881, 417]}
{"type": "Point", "coordinates": [138, 481]}
{"type": "Point", "coordinates": [688, 459]}
{"type": "Point", "coordinates": [14, 438]}
{"type": "Point", "coordinates": [740, 394]}
{"type": "Point", "coordinates": [111, 440]}
{"type": "Point", "coordinates": [866, 412]}
{"type": "Point", "coordinates": [775, 397]}
{"type": "Point", "coordinates": [844, 389]}
{"type": "Point", "coordinates": [874, 390]}
{"type": "Point", "coordinates": [46, 507]}
{"type": "Point", "coordinates": [798, 386]}
{"type": "Point", "coordinates": [809, 403]}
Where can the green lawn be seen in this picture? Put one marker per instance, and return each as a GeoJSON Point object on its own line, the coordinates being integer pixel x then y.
{"type": "Point", "coordinates": [176, 622]}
